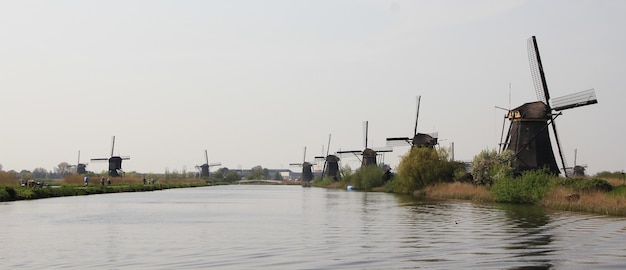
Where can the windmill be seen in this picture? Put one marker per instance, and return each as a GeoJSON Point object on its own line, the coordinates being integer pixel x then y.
{"type": "Point", "coordinates": [206, 167]}
{"type": "Point", "coordinates": [578, 170]}
{"type": "Point", "coordinates": [81, 168]}
{"type": "Point", "coordinates": [331, 163]}
{"type": "Point", "coordinates": [115, 162]}
{"type": "Point", "coordinates": [419, 139]}
{"type": "Point", "coordinates": [369, 154]}
{"type": "Point", "coordinates": [528, 135]}
{"type": "Point", "coordinates": [307, 174]}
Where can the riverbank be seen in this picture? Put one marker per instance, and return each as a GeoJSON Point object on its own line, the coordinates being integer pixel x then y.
{"type": "Point", "coordinates": [560, 198]}
{"type": "Point", "coordinates": [564, 198]}
{"type": "Point", "coordinates": [18, 193]}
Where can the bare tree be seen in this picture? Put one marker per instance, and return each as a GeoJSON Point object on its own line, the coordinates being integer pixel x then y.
{"type": "Point", "coordinates": [63, 168]}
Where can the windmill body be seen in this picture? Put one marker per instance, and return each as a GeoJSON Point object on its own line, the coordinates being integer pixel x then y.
{"type": "Point", "coordinates": [332, 167]}
{"type": "Point", "coordinates": [529, 137]}
{"type": "Point", "coordinates": [307, 173]}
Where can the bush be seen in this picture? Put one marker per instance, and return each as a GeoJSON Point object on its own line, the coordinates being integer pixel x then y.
{"type": "Point", "coordinates": [420, 167]}
{"type": "Point", "coordinates": [368, 177]}
{"type": "Point", "coordinates": [607, 174]}
{"type": "Point", "coordinates": [489, 164]}
{"type": "Point", "coordinates": [585, 184]}
{"type": "Point", "coordinates": [530, 187]}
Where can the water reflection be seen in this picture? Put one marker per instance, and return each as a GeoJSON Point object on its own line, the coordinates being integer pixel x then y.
{"type": "Point", "coordinates": [278, 227]}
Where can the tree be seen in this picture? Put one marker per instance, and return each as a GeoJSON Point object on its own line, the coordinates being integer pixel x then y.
{"type": "Point", "coordinates": [256, 172]}
{"type": "Point", "coordinates": [25, 175]}
{"type": "Point", "coordinates": [231, 176]}
{"type": "Point", "coordinates": [421, 167]}
{"type": "Point", "coordinates": [63, 168]}
{"type": "Point", "coordinates": [40, 173]}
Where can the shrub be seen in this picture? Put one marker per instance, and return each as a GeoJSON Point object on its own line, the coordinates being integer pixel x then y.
{"type": "Point", "coordinates": [530, 187]}
{"type": "Point", "coordinates": [368, 177]}
{"type": "Point", "coordinates": [420, 167]}
{"type": "Point", "coordinates": [489, 164]}
{"type": "Point", "coordinates": [607, 174]}
{"type": "Point", "coordinates": [585, 184]}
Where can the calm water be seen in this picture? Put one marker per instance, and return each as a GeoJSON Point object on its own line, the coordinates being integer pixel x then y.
{"type": "Point", "coordinates": [289, 227]}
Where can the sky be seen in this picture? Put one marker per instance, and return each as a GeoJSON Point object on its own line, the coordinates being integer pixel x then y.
{"type": "Point", "coordinates": [254, 82]}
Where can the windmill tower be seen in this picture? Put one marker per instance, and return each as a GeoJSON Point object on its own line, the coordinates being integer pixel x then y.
{"type": "Point", "coordinates": [307, 173]}
{"type": "Point", "coordinates": [205, 169]}
{"type": "Point", "coordinates": [418, 139]}
{"type": "Point", "coordinates": [368, 155]}
{"type": "Point", "coordinates": [331, 163]}
{"type": "Point", "coordinates": [81, 168]}
{"type": "Point", "coordinates": [528, 135]}
{"type": "Point", "coordinates": [115, 162]}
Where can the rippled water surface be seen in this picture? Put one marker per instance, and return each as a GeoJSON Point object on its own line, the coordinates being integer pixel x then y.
{"type": "Point", "coordinates": [290, 227]}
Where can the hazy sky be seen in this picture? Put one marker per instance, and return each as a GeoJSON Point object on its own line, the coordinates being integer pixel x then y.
{"type": "Point", "coordinates": [254, 82]}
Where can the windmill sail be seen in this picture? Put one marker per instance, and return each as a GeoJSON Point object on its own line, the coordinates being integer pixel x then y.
{"type": "Point", "coordinates": [570, 101]}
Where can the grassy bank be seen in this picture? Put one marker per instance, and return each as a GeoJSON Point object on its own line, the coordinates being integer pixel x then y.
{"type": "Point", "coordinates": [74, 186]}
{"type": "Point", "coordinates": [559, 197]}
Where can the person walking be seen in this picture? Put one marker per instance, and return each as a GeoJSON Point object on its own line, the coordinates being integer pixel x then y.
{"type": "Point", "coordinates": [86, 179]}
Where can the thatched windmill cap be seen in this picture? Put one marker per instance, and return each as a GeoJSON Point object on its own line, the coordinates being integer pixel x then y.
{"type": "Point", "coordinates": [530, 110]}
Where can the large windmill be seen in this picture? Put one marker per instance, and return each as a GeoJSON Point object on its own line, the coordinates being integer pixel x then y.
{"type": "Point", "coordinates": [115, 162]}
{"type": "Point", "coordinates": [307, 173]}
{"type": "Point", "coordinates": [528, 135]}
{"type": "Point", "coordinates": [418, 139]}
{"type": "Point", "coordinates": [368, 154]}
{"type": "Point", "coordinates": [205, 169]}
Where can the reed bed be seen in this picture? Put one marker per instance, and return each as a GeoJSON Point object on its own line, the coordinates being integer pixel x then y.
{"type": "Point", "coordinates": [458, 190]}
{"type": "Point", "coordinates": [596, 202]}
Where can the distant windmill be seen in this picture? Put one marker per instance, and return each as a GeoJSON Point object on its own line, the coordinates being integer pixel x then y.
{"type": "Point", "coordinates": [419, 139]}
{"type": "Point", "coordinates": [331, 163]}
{"type": "Point", "coordinates": [81, 168]}
{"type": "Point", "coordinates": [205, 169]}
{"type": "Point", "coordinates": [528, 135]}
{"type": "Point", "coordinates": [115, 162]}
{"type": "Point", "coordinates": [307, 173]}
{"type": "Point", "coordinates": [369, 154]}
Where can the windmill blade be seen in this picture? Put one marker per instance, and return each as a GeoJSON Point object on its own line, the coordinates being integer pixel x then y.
{"type": "Point", "coordinates": [365, 133]}
{"type": "Point", "coordinates": [214, 164]}
{"type": "Point", "coordinates": [206, 157]}
{"type": "Point", "coordinates": [125, 157]}
{"type": "Point", "coordinates": [558, 145]}
{"type": "Point", "coordinates": [398, 141]}
{"type": "Point", "coordinates": [320, 158]}
{"type": "Point", "coordinates": [536, 70]}
{"type": "Point", "coordinates": [100, 159]}
{"type": "Point", "coordinates": [359, 152]}
{"type": "Point", "coordinates": [112, 145]}
{"type": "Point", "coordinates": [295, 164]}
{"type": "Point", "coordinates": [384, 149]}
{"type": "Point", "coordinates": [574, 100]}
{"type": "Point", "coordinates": [417, 116]}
